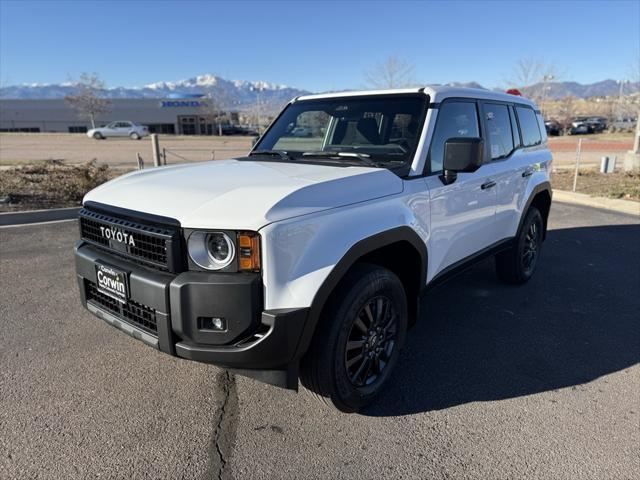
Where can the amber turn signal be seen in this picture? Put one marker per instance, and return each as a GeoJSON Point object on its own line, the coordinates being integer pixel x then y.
{"type": "Point", "coordinates": [248, 252]}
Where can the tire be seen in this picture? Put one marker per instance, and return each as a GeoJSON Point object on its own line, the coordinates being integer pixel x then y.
{"type": "Point", "coordinates": [517, 265]}
{"type": "Point", "coordinates": [98, 136]}
{"type": "Point", "coordinates": [134, 136]}
{"type": "Point", "coordinates": [351, 377]}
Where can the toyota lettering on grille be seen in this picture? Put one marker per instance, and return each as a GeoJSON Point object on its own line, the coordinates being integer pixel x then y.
{"type": "Point", "coordinates": [120, 236]}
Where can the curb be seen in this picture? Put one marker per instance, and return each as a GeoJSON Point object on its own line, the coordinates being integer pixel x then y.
{"type": "Point", "coordinates": [38, 216]}
{"type": "Point", "coordinates": [614, 204]}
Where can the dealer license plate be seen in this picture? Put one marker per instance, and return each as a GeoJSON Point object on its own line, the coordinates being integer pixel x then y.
{"type": "Point", "coordinates": [112, 282]}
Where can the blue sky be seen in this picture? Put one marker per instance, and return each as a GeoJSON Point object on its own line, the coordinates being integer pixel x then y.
{"type": "Point", "coordinates": [313, 45]}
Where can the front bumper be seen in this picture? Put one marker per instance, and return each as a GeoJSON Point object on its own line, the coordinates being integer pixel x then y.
{"type": "Point", "coordinates": [165, 311]}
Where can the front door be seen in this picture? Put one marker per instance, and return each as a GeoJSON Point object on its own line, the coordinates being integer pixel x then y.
{"type": "Point", "coordinates": [463, 212]}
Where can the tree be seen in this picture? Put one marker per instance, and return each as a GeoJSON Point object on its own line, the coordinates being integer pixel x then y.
{"type": "Point", "coordinates": [210, 107]}
{"type": "Point", "coordinates": [566, 112]}
{"type": "Point", "coordinates": [87, 100]}
{"type": "Point", "coordinates": [394, 72]}
{"type": "Point", "coordinates": [532, 75]}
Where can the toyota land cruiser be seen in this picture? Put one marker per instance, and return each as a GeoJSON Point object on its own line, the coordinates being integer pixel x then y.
{"type": "Point", "coordinates": [308, 257]}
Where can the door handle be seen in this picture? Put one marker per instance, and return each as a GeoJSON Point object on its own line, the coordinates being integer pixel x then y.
{"type": "Point", "coordinates": [488, 184]}
{"type": "Point", "coordinates": [527, 172]}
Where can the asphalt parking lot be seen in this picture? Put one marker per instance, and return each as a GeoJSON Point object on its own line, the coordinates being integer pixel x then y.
{"type": "Point", "coordinates": [540, 381]}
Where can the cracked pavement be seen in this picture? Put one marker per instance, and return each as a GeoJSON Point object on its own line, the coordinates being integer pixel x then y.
{"type": "Point", "coordinates": [540, 381]}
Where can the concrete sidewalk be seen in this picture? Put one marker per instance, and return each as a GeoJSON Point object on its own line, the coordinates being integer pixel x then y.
{"type": "Point", "coordinates": [622, 206]}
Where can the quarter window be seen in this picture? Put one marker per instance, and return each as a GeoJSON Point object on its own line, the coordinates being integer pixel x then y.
{"type": "Point", "coordinates": [455, 119]}
{"type": "Point", "coordinates": [528, 126]}
{"type": "Point", "coordinates": [498, 130]}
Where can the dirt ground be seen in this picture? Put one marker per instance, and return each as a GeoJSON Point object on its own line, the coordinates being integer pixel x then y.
{"type": "Point", "coordinates": [26, 148]}
{"type": "Point", "coordinates": [55, 170]}
{"type": "Point", "coordinates": [622, 185]}
{"type": "Point", "coordinates": [594, 147]}
{"type": "Point", "coordinates": [51, 184]}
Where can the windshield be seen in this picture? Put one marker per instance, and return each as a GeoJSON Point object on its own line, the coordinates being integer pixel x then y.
{"type": "Point", "coordinates": [382, 129]}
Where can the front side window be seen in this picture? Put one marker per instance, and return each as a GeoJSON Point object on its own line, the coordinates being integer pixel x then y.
{"type": "Point", "coordinates": [499, 132]}
{"type": "Point", "coordinates": [528, 126]}
{"type": "Point", "coordinates": [377, 130]}
{"type": "Point", "coordinates": [455, 120]}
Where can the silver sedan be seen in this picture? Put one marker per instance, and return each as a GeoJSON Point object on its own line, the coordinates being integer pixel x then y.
{"type": "Point", "coordinates": [132, 130]}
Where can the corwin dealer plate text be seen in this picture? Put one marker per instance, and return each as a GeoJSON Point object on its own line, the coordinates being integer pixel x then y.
{"type": "Point", "coordinates": [112, 282]}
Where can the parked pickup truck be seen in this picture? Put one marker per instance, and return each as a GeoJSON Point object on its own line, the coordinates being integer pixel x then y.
{"type": "Point", "coordinates": [307, 259]}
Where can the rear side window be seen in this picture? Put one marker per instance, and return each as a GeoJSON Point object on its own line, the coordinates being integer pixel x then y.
{"type": "Point", "coordinates": [528, 126]}
{"type": "Point", "coordinates": [499, 131]}
{"type": "Point", "coordinates": [455, 119]}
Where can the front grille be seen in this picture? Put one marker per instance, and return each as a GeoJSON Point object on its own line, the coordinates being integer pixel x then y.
{"type": "Point", "coordinates": [153, 245]}
{"type": "Point", "coordinates": [131, 312]}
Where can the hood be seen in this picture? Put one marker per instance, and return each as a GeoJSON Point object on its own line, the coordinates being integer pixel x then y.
{"type": "Point", "coordinates": [243, 194]}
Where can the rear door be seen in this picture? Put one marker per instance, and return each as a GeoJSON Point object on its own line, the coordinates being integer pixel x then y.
{"type": "Point", "coordinates": [508, 160]}
{"type": "Point", "coordinates": [463, 212]}
{"type": "Point", "coordinates": [517, 168]}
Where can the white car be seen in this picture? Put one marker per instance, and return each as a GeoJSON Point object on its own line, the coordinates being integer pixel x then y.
{"type": "Point", "coordinates": [308, 257]}
{"type": "Point", "coordinates": [133, 130]}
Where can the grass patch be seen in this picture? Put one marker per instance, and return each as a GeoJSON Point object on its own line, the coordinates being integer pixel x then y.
{"type": "Point", "coordinates": [622, 185]}
{"type": "Point", "coordinates": [50, 184]}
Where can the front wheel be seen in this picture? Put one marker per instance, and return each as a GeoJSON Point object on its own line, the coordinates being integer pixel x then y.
{"type": "Point", "coordinates": [516, 265]}
{"type": "Point", "coordinates": [98, 136]}
{"type": "Point", "coordinates": [358, 339]}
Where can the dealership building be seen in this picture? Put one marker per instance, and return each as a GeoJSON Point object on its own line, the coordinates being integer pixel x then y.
{"type": "Point", "coordinates": [184, 115]}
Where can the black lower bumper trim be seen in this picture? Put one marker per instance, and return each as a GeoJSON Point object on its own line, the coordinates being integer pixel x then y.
{"type": "Point", "coordinates": [270, 351]}
{"type": "Point", "coordinates": [259, 344]}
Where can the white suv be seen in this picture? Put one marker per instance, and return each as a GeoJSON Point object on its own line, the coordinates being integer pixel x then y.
{"type": "Point", "coordinates": [308, 257]}
{"type": "Point", "coordinates": [133, 130]}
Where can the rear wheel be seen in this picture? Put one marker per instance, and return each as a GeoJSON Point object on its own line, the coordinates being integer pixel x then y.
{"type": "Point", "coordinates": [358, 339]}
{"type": "Point", "coordinates": [134, 136]}
{"type": "Point", "coordinates": [518, 264]}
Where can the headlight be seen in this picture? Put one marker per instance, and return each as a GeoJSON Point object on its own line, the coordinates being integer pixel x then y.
{"type": "Point", "coordinates": [211, 250]}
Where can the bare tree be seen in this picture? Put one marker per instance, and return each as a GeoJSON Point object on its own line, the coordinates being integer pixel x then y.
{"type": "Point", "coordinates": [634, 71]}
{"type": "Point", "coordinates": [565, 112]}
{"type": "Point", "coordinates": [211, 108]}
{"type": "Point", "coordinates": [534, 75]}
{"type": "Point", "coordinates": [526, 72]}
{"type": "Point", "coordinates": [394, 72]}
{"type": "Point", "coordinates": [87, 100]}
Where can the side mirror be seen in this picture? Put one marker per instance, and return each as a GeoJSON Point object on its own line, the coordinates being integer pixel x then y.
{"type": "Point", "coordinates": [462, 154]}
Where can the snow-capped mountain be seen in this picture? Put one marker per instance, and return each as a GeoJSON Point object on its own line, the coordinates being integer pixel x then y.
{"type": "Point", "coordinates": [233, 94]}
{"type": "Point", "coordinates": [243, 95]}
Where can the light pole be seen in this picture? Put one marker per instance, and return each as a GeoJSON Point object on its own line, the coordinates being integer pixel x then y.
{"type": "Point", "coordinates": [258, 90]}
{"type": "Point", "coordinates": [619, 112]}
{"type": "Point", "coordinates": [545, 79]}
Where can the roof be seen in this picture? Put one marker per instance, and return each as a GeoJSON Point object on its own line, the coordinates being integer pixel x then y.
{"type": "Point", "coordinates": [436, 94]}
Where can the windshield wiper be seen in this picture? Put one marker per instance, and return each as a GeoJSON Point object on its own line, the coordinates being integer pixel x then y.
{"type": "Point", "coordinates": [273, 153]}
{"type": "Point", "coordinates": [361, 157]}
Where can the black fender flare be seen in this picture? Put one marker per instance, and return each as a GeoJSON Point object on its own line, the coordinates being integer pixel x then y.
{"type": "Point", "coordinates": [541, 187]}
{"type": "Point", "coordinates": [357, 251]}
